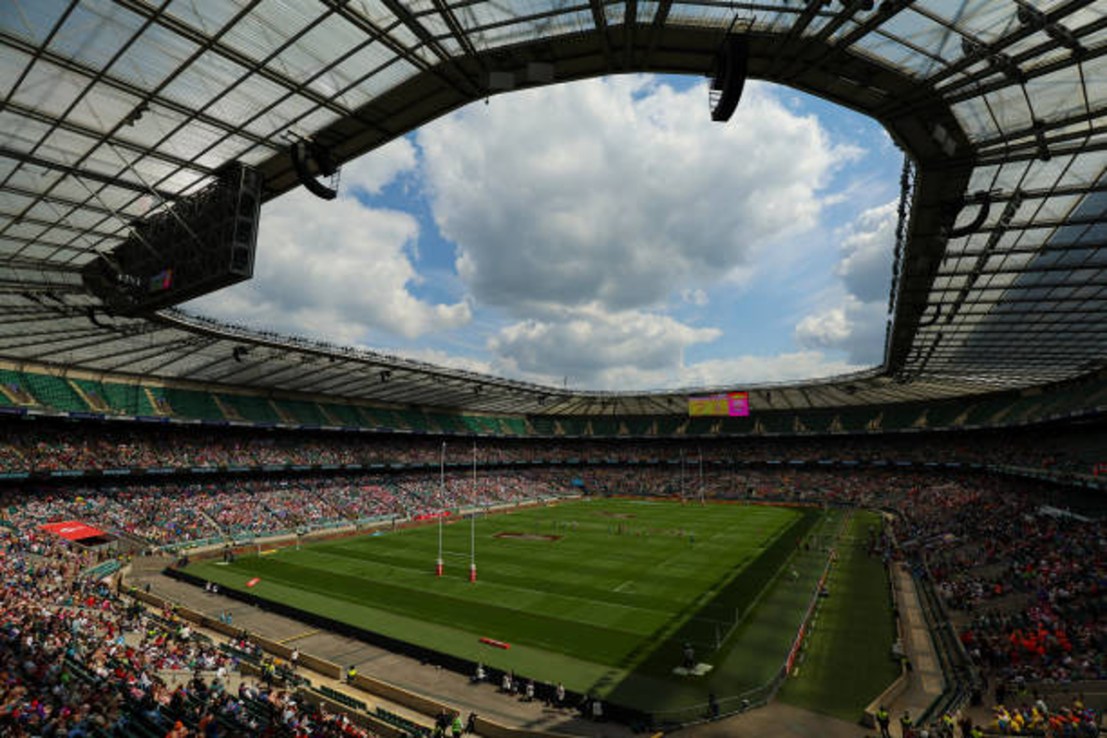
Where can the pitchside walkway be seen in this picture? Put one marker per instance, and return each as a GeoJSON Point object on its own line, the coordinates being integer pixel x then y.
{"type": "Point", "coordinates": [440, 684]}
{"type": "Point", "coordinates": [924, 681]}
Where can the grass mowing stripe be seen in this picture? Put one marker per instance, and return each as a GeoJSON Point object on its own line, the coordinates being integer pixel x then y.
{"type": "Point", "coordinates": [455, 596]}
{"type": "Point", "coordinates": [596, 643]}
{"type": "Point", "coordinates": [847, 660]}
{"type": "Point", "coordinates": [527, 583]}
{"type": "Point", "coordinates": [557, 598]}
{"type": "Point", "coordinates": [539, 662]}
{"type": "Point", "coordinates": [381, 564]}
{"type": "Point", "coordinates": [607, 551]}
{"type": "Point", "coordinates": [756, 649]}
{"type": "Point", "coordinates": [556, 577]}
{"type": "Point", "coordinates": [495, 566]}
{"type": "Point", "coordinates": [614, 611]}
{"type": "Point", "coordinates": [741, 590]}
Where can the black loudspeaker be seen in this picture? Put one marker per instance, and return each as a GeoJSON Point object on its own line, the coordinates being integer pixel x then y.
{"type": "Point", "coordinates": [729, 77]}
{"type": "Point", "coordinates": [247, 214]}
{"type": "Point", "coordinates": [308, 156]}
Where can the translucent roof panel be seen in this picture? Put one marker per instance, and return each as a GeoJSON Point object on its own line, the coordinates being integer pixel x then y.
{"type": "Point", "coordinates": [110, 110]}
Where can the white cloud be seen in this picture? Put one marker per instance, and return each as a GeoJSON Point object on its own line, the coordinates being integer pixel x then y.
{"type": "Point", "coordinates": [695, 297]}
{"type": "Point", "coordinates": [824, 330]}
{"type": "Point", "coordinates": [590, 345]}
{"type": "Point", "coordinates": [618, 192]}
{"type": "Point", "coordinates": [749, 369]}
{"type": "Point", "coordinates": [867, 246]}
{"type": "Point", "coordinates": [376, 170]}
{"type": "Point", "coordinates": [855, 327]}
{"type": "Point", "coordinates": [440, 357]}
{"type": "Point", "coordinates": [582, 215]}
{"type": "Point", "coordinates": [337, 270]}
{"type": "Point", "coordinates": [857, 323]}
{"type": "Point", "coordinates": [635, 350]}
{"type": "Point", "coordinates": [734, 372]}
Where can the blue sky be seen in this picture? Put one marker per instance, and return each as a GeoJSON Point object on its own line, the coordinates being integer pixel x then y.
{"type": "Point", "coordinates": [606, 233]}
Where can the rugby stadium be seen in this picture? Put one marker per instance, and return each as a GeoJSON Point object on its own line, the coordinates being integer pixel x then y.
{"type": "Point", "coordinates": [216, 529]}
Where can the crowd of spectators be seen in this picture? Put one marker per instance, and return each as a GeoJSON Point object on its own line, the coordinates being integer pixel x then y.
{"type": "Point", "coordinates": [175, 512]}
{"type": "Point", "coordinates": [44, 445]}
{"type": "Point", "coordinates": [78, 661]}
{"type": "Point", "coordinates": [1037, 717]}
{"type": "Point", "coordinates": [1025, 583]}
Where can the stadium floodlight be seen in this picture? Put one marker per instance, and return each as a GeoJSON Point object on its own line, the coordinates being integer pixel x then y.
{"type": "Point", "coordinates": [441, 497]}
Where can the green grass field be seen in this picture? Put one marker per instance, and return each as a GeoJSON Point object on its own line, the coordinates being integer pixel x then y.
{"type": "Point", "coordinates": [599, 594]}
{"type": "Point", "coordinates": [834, 675]}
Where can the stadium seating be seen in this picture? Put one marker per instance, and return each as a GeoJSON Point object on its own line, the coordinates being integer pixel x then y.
{"type": "Point", "coordinates": [901, 417]}
{"type": "Point", "coordinates": [669, 425]}
{"type": "Point", "coordinates": [129, 399]}
{"type": "Point", "coordinates": [92, 394]}
{"type": "Point", "coordinates": [412, 729]}
{"type": "Point", "coordinates": [15, 389]}
{"type": "Point", "coordinates": [306, 413]}
{"type": "Point", "coordinates": [989, 412]}
{"type": "Point", "coordinates": [54, 392]}
{"type": "Point", "coordinates": [573, 426]}
{"type": "Point", "coordinates": [774, 423]}
{"type": "Point", "coordinates": [251, 407]}
{"type": "Point", "coordinates": [602, 426]}
{"type": "Point", "coordinates": [342, 698]}
{"type": "Point", "coordinates": [514, 426]}
{"type": "Point", "coordinates": [341, 415]}
{"type": "Point", "coordinates": [987, 512]}
{"type": "Point", "coordinates": [542, 426]}
{"type": "Point", "coordinates": [857, 420]}
{"type": "Point", "coordinates": [414, 420]}
{"type": "Point", "coordinates": [446, 423]}
{"type": "Point", "coordinates": [639, 426]}
{"type": "Point", "coordinates": [192, 404]}
{"type": "Point", "coordinates": [738, 426]}
{"type": "Point", "coordinates": [125, 397]}
{"type": "Point", "coordinates": [703, 426]}
{"type": "Point", "coordinates": [483, 424]}
{"type": "Point", "coordinates": [943, 415]}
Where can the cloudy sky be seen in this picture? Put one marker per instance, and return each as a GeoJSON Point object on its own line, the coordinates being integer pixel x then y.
{"type": "Point", "coordinates": [604, 233]}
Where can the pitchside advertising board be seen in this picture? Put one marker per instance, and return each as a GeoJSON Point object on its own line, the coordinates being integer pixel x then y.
{"type": "Point", "coordinates": [731, 404]}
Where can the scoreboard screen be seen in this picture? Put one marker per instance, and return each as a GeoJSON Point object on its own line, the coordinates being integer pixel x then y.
{"type": "Point", "coordinates": [732, 404]}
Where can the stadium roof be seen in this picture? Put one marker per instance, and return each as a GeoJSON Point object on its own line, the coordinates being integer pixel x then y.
{"type": "Point", "coordinates": [114, 108]}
